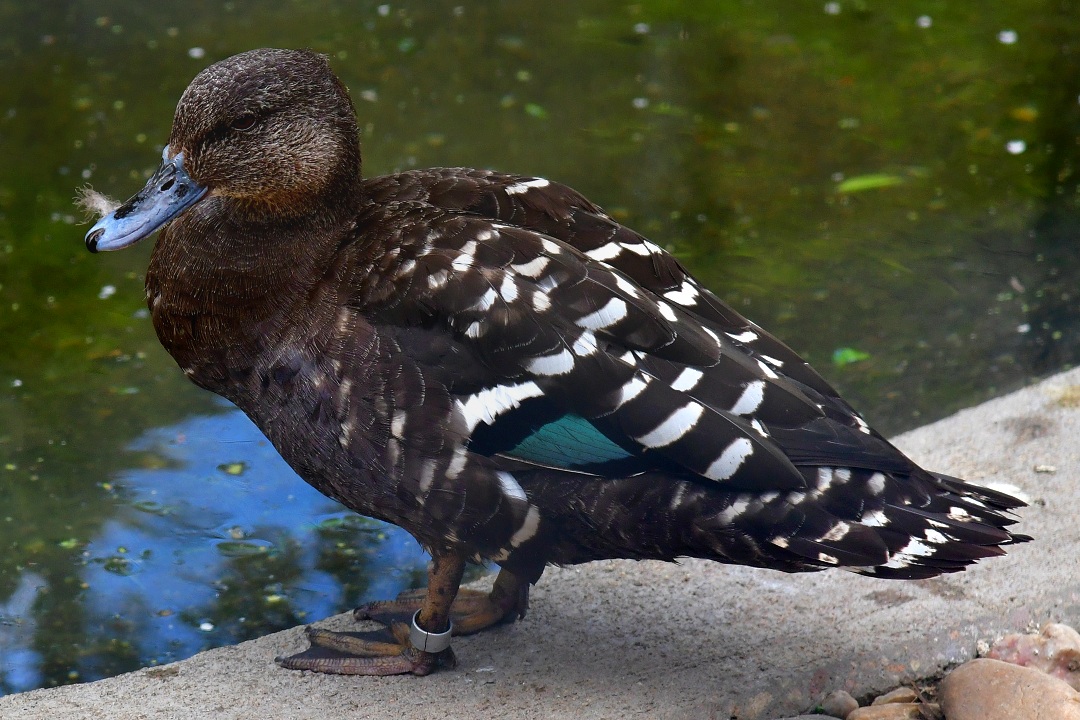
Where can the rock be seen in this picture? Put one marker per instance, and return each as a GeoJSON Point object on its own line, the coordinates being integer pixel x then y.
{"type": "Point", "coordinates": [985, 689]}
{"type": "Point", "coordinates": [899, 695]}
{"type": "Point", "coordinates": [1055, 651]}
{"type": "Point", "coordinates": [888, 711]}
{"type": "Point", "coordinates": [839, 703]}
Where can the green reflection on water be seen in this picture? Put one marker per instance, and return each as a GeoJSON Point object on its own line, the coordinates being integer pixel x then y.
{"type": "Point", "coordinates": [888, 184]}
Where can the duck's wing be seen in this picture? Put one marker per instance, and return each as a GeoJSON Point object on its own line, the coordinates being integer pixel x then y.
{"type": "Point", "coordinates": [798, 396]}
{"type": "Point", "coordinates": [585, 367]}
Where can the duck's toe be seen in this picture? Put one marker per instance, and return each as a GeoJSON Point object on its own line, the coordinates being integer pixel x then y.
{"type": "Point", "coordinates": [382, 652]}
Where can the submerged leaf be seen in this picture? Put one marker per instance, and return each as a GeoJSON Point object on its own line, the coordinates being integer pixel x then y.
{"type": "Point", "coordinates": [872, 181]}
{"type": "Point", "coordinates": [245, 548]}
{"type": "Point", "coordinates": [845, 356]}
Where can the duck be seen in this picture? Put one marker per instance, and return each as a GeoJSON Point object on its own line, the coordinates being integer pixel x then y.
{"type": "Point", "coordinates": [493, 363]}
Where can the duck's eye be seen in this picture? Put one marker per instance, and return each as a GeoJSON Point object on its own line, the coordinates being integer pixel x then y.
{"type": "Point", "coordinates": [244, 122]}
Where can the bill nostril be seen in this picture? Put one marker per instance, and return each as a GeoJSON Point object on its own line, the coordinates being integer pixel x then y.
{"type": "Point", "coordinates": [167, 185]}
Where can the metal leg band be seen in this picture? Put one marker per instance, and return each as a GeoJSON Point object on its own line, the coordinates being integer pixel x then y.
{"type": "Point", "coordinates": [428, 641]}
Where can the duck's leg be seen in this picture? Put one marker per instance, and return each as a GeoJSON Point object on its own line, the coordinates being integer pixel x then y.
{"type": "Point", "coordinates": [398, 649]}
{"type": "Point", "coordinates": [471, 612]}
{"type": "Point", "coordinates": [405, 649]}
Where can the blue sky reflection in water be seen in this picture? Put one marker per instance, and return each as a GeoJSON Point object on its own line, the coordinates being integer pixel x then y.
{"type": "Point", "coordinates": [890, 187]}
{"type": "Point", "coordinates": [152, 580]}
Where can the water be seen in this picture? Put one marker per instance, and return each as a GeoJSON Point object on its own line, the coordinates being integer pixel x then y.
{"type": "Point", "coordinates": [889, 186]}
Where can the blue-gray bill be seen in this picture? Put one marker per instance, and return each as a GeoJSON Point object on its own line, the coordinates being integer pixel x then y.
{"type": "Point", "coordinates": [167, 194]}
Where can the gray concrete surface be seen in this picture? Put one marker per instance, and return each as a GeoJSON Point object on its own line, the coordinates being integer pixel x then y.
{"type": "Point", "coordinates": [695, 640]}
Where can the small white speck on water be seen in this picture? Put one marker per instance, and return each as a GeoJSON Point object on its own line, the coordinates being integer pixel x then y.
{"type": "Point", "coordinates": [642, 28]}
{"type": "Point", "coordinates": [1008, 37]}
{"type": "Point", "coordinates": [832, 8]}
{"type": "Point", "coordinates": [924, 21]}
{"type": "Point", "coordinates": [197, 53]}
{"type": "Point", "coordinates": [1015, 147]}
{"type": "Point", "coordinates": [206, 626]}
{"type": "Point", "coordinates": [383, 10]}
{"type": "Point", "coordinates": [1023, 328]}
{"type": "Point", "coordinates": [16, 383]}
{"type": "Point", "coordinates": [640, 103]}
{"type": "Point", "coordinates": [107, 292]}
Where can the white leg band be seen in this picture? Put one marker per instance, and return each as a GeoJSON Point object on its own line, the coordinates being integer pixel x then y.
{"type": "Point", "coordinates": [428, 641]}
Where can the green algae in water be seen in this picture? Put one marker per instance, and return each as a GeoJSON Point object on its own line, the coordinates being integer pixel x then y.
{"type": "Point", "coordinates": [243, 548]}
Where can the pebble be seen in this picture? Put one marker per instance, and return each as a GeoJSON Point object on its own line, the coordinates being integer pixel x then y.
{"type": "Point", "coordinates": [1055, 650]}
{"type": "Point", "coordinates": [986, 689]}
{"type": "Point", "coordinates": [899, 695]}
{"type": "Point", "coordinates": [888, 711]}
{"type": "Point", "coordinates": [839, 703]}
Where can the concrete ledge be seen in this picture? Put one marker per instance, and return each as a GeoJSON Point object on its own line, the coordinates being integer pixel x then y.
{"type": "Point", "coordinates": [696, 640]}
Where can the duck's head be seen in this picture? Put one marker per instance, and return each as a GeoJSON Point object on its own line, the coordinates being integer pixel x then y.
{"type": "Point", "coordinates": [271, 134]}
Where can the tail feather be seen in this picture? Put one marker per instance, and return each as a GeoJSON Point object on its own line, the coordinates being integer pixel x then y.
{"type": "Point", "coordinates": [914, 526]}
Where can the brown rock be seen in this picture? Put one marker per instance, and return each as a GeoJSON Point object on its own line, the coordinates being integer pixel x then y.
{"type": "Point", "coordinates": [986, 689]}
{"type": "Point", "coordinates": [888, 711]}
{"type": "Point", "coordinates": [839, 703]}
{"type": "Point", "coordinates": [899, 695]}
{"type": "Point", "coordinates": [1055, 651]}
